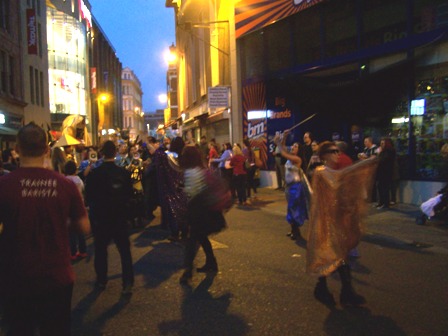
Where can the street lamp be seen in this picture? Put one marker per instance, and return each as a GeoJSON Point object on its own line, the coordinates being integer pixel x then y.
{"type": "Point", "coordinates": [171, 55]}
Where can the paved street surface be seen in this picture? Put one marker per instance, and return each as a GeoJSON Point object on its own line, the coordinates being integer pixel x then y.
{"type": "Point", "coordinates": [262, 287]}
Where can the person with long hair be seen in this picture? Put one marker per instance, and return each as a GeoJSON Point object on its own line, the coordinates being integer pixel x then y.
{"type": "Point", "coordinates": [58, 159]}
{"type": "Point", "coordinates": [202, 219]}
{"type": "Point", "coordinates": [295, 192]}
{"type": "Point", "coordinates": [338, 206]}
{"type": "Point", "coordinates": [170, 179]}
{"type": "Point", "coordinates": [226, 172]}
{"type": "Point", "coordinates": [239, 177]}
{"type": "Point", "coordinates": [248, 152]}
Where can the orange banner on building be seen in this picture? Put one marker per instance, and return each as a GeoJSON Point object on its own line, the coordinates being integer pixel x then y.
{"type": "Point", "coordinates": [251, 15]}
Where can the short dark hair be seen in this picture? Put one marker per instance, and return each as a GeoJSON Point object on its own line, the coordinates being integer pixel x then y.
{"type": "Point", "coordinates": [324, 147]}
{"type": "Point", "coordinates": [70, 167]}
{"type": "Point", "coordinates": [109, 150]}
{"type": "Point", "coordinates": [191, 158]}
{"type": "Point", "coordinates": [177, 145]}
{"type": "Point", "coordinates": [151, 140]}
{"type": "Point", "coordinates": [6, 153]}
{"type": "Point", "coordinates": [228, 145]}
{"type": "Point", "coordinates": [246, 143]}
{"type": "Point", "coordinates": [32, 140]}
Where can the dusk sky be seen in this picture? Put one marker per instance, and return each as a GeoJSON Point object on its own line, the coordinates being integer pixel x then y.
{"type": "Point", "coordinates": [141, 31]}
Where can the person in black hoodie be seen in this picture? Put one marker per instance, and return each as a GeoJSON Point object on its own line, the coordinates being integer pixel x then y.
{"type": "Point", "coordinates": [108, 192]}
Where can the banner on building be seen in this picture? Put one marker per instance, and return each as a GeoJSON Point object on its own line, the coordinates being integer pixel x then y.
{"type": "Point", "coordinates": [93, 80]}
{"type": "Point", "coordinates": [31, 29]}
{"type": "Point", "coordinates": [251, 15]}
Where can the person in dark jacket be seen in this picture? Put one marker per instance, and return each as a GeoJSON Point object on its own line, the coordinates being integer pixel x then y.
{"type": "Point", "coordinates": [108, 191]}
{"type": "Point", "coordinates": [385, 172]}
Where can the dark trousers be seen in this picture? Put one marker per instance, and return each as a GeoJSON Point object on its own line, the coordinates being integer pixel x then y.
{"type": "Point", "coordinates": [227, 174]}
{"type": "Point", "coordinates": [47, 311]}
{"type": "Point", "coordinates": [280, 172]}
{"type": "Point", "coordinates": [384, 191]}
{"type": "Point", "coordinates": [192, 246]}
{"type": "Point", "coordinates": [103, 236]}
{"type": "Point", "coordinates": [250, 180]}
{"type": "Point", "coordinates": [77, 243]}
{"type": "Point", "coordinates": [239, 181]}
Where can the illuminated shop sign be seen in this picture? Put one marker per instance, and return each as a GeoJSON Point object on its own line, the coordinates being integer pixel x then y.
{"type": "Point", "coordinates": [31, 31]}
{"type": "Point", "coordinates": [85, 13]}
{"type": "Point", "coordinates": [2, 119]}
{"type": "Point", "coordinates": [418, 107]}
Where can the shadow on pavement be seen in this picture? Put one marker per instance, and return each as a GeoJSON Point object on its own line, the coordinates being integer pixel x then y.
{"type": "Point", "coordinates": [203, 314]}
{"type": "Point", "coordinates": [81, 327]}
{"type": "Point", "coordinates": [162, 261]}
{"type": "Point", "coordinates": [393, 243]}
{"type": "Point", "coordinates": [359, 321]}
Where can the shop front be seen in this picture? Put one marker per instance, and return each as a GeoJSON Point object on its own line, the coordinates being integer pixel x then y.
{"type": "Point", "coordinates": [365, 68]}
{"type": "Point", "coordinates": [67, 29]}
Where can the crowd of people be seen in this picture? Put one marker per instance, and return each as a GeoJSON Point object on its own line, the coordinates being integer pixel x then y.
{"type": "Point", "coordinates": [58, 195]}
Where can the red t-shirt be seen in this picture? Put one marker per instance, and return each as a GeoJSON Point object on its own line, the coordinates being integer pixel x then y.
{"type": "Point", "coordinates": [35, 204]}
{"type": "Point", "coordinates": [344, 161]}
{"type": "Point", "coordinates": [237, 162]}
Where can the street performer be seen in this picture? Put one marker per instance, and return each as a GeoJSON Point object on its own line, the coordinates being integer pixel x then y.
{"type": "Point", "coordinates": [338, 205]}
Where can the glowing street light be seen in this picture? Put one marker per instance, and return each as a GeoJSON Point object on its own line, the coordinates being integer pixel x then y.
{"type": "Point", "coordinates": [171, 55]}
{"type": "Point", "coordinates": [163, 98]}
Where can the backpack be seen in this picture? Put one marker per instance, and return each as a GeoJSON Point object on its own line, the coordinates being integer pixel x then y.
{"type": "Point", "coordinates": [219, 196]}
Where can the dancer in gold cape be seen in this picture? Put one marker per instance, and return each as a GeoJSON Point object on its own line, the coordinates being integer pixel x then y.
{"type": "Point", "coordinates": [338, 206]}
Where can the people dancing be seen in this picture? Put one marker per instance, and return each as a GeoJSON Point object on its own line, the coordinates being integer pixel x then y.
{"type": "Point", "coordinates": [295, 192]}
{"type": "Point", "coordinates": [338, 206]}
{"type": "Point", "coordinates": [202, 218]}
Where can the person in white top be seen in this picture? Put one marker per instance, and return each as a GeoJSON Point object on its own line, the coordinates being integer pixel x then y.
{"type": "Point", "coordinates": [78, 246]}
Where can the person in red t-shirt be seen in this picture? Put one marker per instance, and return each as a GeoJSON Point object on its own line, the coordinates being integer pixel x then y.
{"type": "Point", "coordinates": [38, 206]}
{"type": "Point", "coordinates": [343, 160]}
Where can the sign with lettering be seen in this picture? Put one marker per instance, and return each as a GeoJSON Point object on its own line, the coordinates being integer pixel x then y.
{"type": "Point", "coordinates": [85, 13]}
{"type": "Point", "coordinates": [31, 29]}
{"type": "Point", "coordinates": [218, 97]}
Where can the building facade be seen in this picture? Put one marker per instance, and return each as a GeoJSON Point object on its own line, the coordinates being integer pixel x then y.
{"type": "Point", "coordinates": [207, 97]}
{"type": "Point", "coordinates": [12, 100]}
{"type": "Point", "coordinates": [105, 86]}
{"type": "Point", "coordinates": [133, 115]}
{"type": "Point", "coordinates": [35, 62]}
{"type": "Point", "coordinates": [365, 68]}
{"type": "Point", "coordinates": [68, 25]}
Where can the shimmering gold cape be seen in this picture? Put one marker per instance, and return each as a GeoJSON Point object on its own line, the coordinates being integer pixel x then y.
{"type": "Point", "coordinates": [338, 207]}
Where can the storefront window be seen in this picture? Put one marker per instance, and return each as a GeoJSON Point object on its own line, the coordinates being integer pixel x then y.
{"type": "Point", "coordinates": [384, 21]}
{"type": "Point", "coordinates": [67, 64]}
{"type": "Point", "coordinates": [307, 41]}
{"type": "Point", "coordinates": [278, 45]}
{"type": "Point", "coordinates": [340, 27]}
{"type": "Point", "coordinates": [429, 115]}
{"type": "Point", "coordinates": [252, 56]}
{"type": "Point", "coordinates": [429, 15]}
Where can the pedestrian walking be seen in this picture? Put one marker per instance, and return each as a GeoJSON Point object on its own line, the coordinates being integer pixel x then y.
{"type": "Point", "coordinates": [78, 246]}
{"type": "Point", "coordinates": [338, 207]}
{"type": "Point", "coordinates": [108, 192]}
{"type": "Point", "coordinates": [203, 216]}
{"type": "Point", "coordinates": [239, 178]}
{"type": "Point", "coordinates": [36, 277]}
{"type": "Point", "coordinates": [296, 212]}
{"type": "Point", "coordinates": [249, 154]}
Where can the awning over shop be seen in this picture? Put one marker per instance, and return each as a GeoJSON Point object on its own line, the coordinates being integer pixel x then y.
{"type": "Point", "coordinates": [7, 131]}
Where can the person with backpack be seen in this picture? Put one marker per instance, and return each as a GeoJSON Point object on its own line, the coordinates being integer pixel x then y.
{"type": "Point", "coordinates": [208, 196]}
{"type": "Point", "coordinates": [108, 192]}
